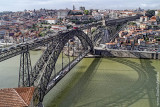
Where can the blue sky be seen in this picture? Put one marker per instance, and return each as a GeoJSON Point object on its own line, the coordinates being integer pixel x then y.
{"type": "Point", "coordinates": [20, 5]}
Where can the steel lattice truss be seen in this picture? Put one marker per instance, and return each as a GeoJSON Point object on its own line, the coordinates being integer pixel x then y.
{"type": "Point", "coordinates": [40, 75]}
{"type": "Point", "coordinates": [43, 69]}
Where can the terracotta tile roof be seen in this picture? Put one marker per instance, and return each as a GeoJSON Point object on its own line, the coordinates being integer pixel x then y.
{"type": "Point", "coordinates": [136, 44]}
{"type": "Point", "coordinates": [110, 43]}
{"type": "Point", "coordinates": [144, 16]}
{"type": "Point", "coordinates": [141, 39]}
{"type": "Point", "coordinates": [49, 19]}
{"type": "Point", "coordinates": [128, 44]}
{"type": "Point", "coordinates": [153, 18]}
{"type": "Point", "coordinates": [16, 97]}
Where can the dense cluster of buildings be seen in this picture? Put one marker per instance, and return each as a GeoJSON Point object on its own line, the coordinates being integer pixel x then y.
{"type": "Point", "coordinates": [16, 27]}
{"type": "Point", "coordinates": [142, 35]}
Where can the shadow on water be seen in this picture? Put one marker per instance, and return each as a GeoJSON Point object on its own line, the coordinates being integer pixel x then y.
{"type": "Point", "coordinates": [76, 91]}
{"type": "Point", "coordinates": [72, 92]}
{"type": "Point", "coordinates": [151, 85]}
{"type": "Point", "coordinates": [152, 79]}
{"type": "Point", "coordinates": [145, 85]}
{"type": "Point", "coordinates": [128, 96]}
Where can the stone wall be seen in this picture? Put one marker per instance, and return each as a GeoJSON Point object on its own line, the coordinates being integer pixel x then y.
{"type": "Point", "coordinates": [127, 54]}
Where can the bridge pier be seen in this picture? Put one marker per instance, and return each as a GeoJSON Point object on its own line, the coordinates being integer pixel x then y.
{"type": "Point", "coordinates": [40, 104]}
{"type": "Point", "coordinates": [25, 69]}
{"type": "Point", "coordinates": [41, 75]}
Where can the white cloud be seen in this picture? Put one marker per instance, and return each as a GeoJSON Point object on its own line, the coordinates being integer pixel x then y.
{"type": "Point", "coordinates": [144, 5]}
{"type": "Point", "coordinates": [150, 5]}
{"type": "Point", "coordinates": [16, 5]}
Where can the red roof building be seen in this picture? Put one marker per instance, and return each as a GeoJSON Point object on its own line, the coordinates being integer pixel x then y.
{"type": "Point", "coordinates": [17, 97]}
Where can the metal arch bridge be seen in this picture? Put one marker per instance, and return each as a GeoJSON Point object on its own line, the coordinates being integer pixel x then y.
{"type": "Point", "coordinates": [43, 75]}
{"type": "Point", "coordinates": [29, 45]}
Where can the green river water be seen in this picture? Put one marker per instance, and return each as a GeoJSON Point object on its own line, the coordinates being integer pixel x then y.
{"type": "Point", "coordinates": [97, 82]}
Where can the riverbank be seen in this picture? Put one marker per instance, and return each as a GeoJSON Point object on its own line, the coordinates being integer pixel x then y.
{"type": "Point", "coordinates": [97, 82]}
{"type": "Point", "coordinates": [99, 52]}
{"type": "Point", "coordinates": [94, 82]}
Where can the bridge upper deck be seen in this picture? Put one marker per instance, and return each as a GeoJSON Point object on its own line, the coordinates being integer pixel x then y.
{"type": "Point", "coordinates": [17, 49]}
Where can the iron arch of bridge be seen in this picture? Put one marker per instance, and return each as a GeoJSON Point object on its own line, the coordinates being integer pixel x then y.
{"type": "Point", "coordinates": [41, 81]}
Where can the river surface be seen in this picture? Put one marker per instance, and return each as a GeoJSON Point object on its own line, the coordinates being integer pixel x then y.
{"type": "Point", "coordinates": [96, 82]}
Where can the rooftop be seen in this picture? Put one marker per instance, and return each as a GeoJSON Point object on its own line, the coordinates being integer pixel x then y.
{"type": "Point", "coordinates": [16, 97]}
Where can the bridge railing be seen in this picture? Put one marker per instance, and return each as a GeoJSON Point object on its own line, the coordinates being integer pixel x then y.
{"type": "Point", "coordinates": [56, 78]}
{"type": "Point", "coordinates": [32, 44]}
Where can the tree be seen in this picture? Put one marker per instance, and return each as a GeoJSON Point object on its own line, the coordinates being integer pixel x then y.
{"type": "Point", "coordinates": [93, 30]}
{"type": "Point", "coordinates": [86, 12]}
{"type": "Point", "coordinates": [41, 34]}
{"type": "Point", "coordinates": [132, 23]}
{"type": "Point", "coordinates": [49, 27]}
{"type": "Point", "coordinates": [150, 13]}
{"type": "Point", "coordinates": [69, 26]}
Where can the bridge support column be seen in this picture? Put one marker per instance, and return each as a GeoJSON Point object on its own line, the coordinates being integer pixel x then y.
{"type": "Point", "coordinates": [69, 54]}
{"type": "Point", "coordinates": [25, 69]}
{"type": "Point", "coordinates": [40, 104]}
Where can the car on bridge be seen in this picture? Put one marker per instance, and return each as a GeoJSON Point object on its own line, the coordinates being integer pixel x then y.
{"type": "Point", "coordinates": [4, 50]}
{"type": "Point", "coordinates": [58, 78]}
{"type": "Point", "coordinates": [52, 83]}
{"type": "Point", "coordinates": [18, 45]}
{"type": "Point", "coordinates": [75, 27]}
{"type": "Point", "coordinates": [12, 48]}
{"type": "Point", "coordinates": [60, 32]}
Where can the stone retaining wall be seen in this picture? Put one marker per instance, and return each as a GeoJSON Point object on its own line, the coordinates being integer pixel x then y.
{"type": "Point", "coordinates": [127, 53]}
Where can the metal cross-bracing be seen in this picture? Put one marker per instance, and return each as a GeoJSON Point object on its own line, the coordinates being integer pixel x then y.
{"type": "Point", "coordinates": [121, 20]}
{"type": "Point", "coordinates": [25, 70]}
{"type": "Point", "coordinates": [97, 35]}
{"type": "Point", "coordinates": [32, 44]}
{"type": "Point", "coordinates": [44, 73]}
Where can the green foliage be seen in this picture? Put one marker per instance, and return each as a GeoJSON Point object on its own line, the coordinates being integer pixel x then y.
{"type": "Point", "coordinates": [60, 19]}
{"type": "Point", "coordinates": [132, 23]}
{"type": "Point", "coordinates": [69, 26]}
{"type": "Point", "coordinates": [34, 26]}
{"type": "Point", "coordinates": [77, 13]}
{"type": "Point", "coordinates": [49, 27]}
{"type": "Point", "coordinates": [42, 34]}
{"type": "Point", "coordinates": [150, 13]}
{"type": "Point", "coordinates": [86, 12]}
{"type": "Point", "coordinates": [93, 30]}
{"type": "Point", "coordinates": [158, 39]}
